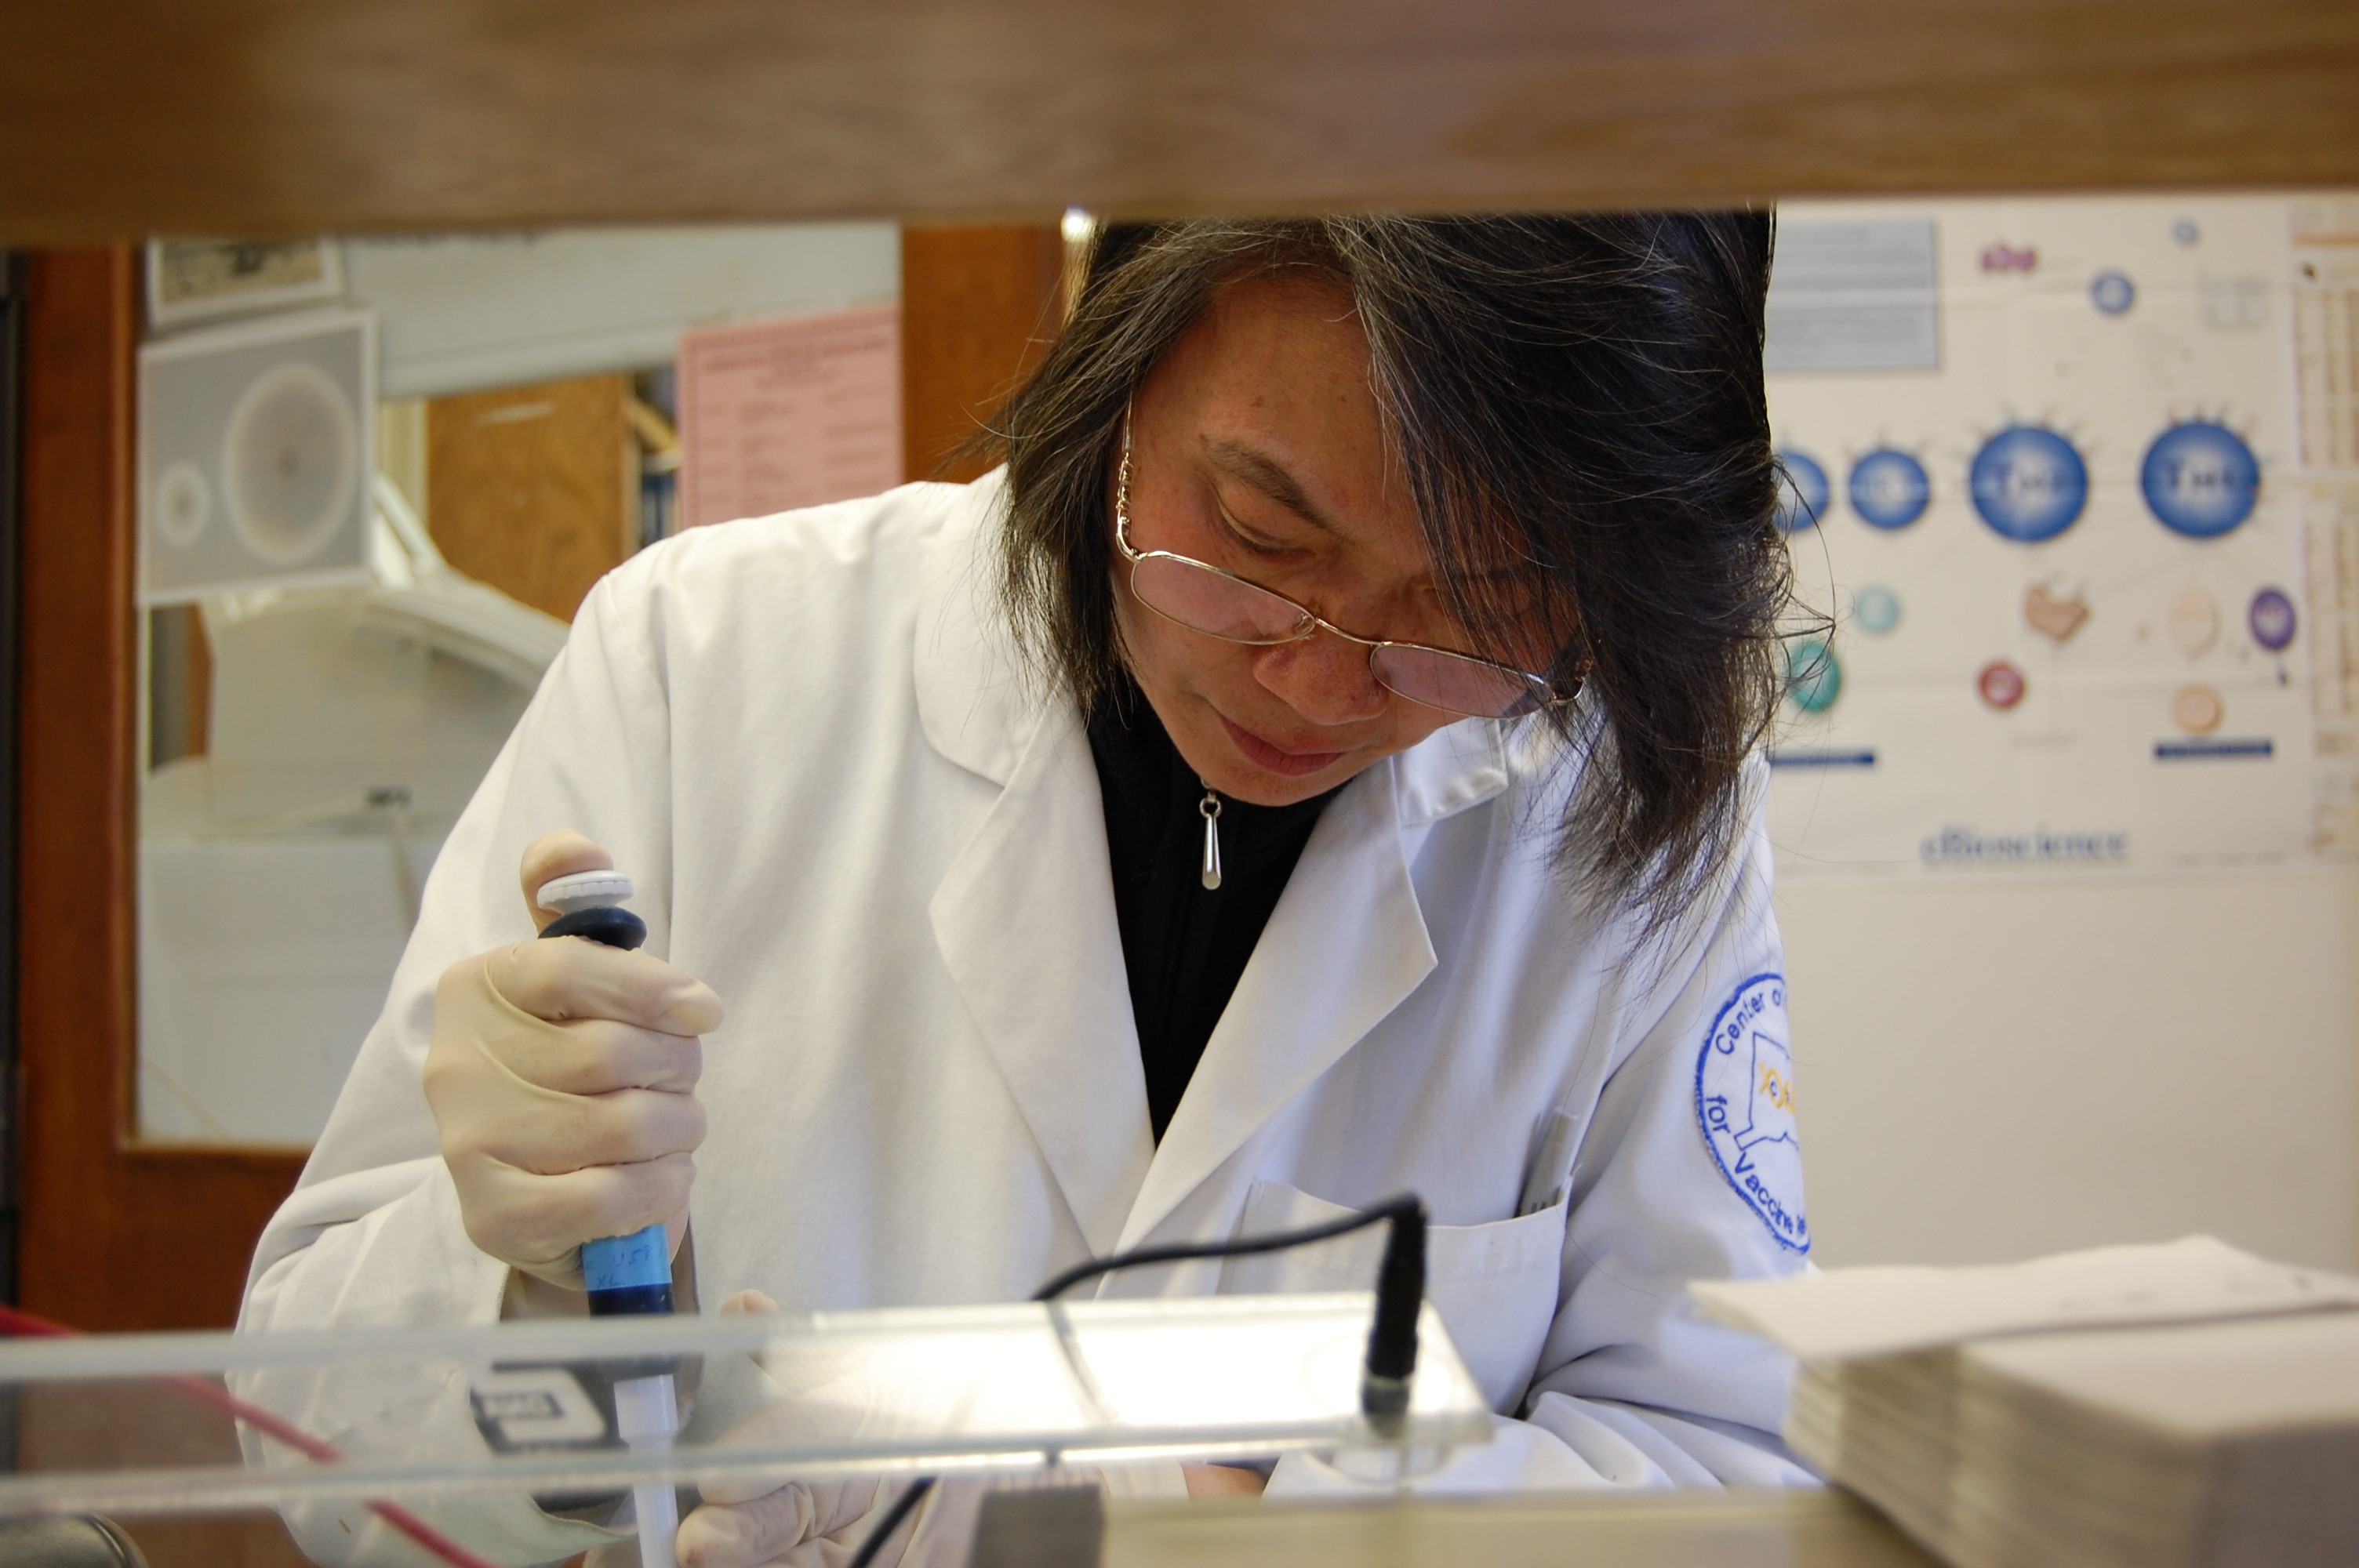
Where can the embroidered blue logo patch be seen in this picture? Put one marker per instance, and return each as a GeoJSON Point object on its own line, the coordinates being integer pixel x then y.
{"type": "Point", "coordinates": [1745, 1099]}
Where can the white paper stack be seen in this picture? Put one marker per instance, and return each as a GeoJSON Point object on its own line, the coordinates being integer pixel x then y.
{"type": "Point", "coordinates": [2142, 1406]}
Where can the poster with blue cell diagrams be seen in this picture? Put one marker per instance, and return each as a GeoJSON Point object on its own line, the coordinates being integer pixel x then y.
{"type": "Point", "coordinates": [2072, 504]}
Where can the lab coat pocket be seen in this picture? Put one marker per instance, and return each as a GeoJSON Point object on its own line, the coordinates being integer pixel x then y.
{"type": "Point", "coordinates": [1494, 1285]}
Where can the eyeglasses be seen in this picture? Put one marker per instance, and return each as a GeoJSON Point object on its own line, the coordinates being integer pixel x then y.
{"type": "Point", "coordinates": [1203, 598]}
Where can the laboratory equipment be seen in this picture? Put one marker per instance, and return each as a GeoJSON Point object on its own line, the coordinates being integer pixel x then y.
{"type": "Point", "coordinates": [626, 1275]}
{"type": "Point", "coordinates": [905, 1391]}
{"type": "Point", "coordinates": [1388, 1367]}
{"type": "Point", "coordinates": [254, 455]}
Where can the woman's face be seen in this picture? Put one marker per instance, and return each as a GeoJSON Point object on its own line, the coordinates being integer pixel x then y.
{"type": "Point", "coordinates": [1256, 447]}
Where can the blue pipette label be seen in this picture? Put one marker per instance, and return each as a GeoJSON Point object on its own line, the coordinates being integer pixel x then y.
{"type": "Point", "coordinates": [626, 1262]}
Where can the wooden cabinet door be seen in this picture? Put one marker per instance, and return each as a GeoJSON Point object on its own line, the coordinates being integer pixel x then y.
{"type": "Point", "coordinates": [115, 1234]}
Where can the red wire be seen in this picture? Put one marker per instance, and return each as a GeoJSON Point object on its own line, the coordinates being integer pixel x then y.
{"type": "Point", "coordinates": [27, 1325]}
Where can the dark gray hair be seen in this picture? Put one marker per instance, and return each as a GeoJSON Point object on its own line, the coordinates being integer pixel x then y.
{"type": "Point", "coordinates": [1581, 394]}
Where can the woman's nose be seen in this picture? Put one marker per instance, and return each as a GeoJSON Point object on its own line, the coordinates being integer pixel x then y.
{"type": "Point", "coordinates": [1324, 678]}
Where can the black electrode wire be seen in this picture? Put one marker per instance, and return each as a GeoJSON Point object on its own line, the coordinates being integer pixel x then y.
{"type": "Point", "coordinates": [902, 1507]}
{"type": "Point", "coordinates": [1392, 1340]}
{"type": "Point", "coordinates": [1392, 1208]}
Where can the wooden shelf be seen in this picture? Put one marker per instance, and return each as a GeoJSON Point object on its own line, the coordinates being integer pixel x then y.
{"type": "Point", "coordinates": [126, 117]}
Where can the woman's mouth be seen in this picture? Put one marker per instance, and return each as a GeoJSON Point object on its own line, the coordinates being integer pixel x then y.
{"type": "Point", "coordinates": [1274, 758]}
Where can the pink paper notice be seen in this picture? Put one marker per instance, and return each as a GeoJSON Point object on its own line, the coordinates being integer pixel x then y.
{"type": "Point", "coordinates": [775, 415]}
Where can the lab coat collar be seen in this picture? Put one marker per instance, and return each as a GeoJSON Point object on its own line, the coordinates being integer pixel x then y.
{"type": "Point", "coordinates": [1025, 922]}
{"type": "Point", "coordinates": [975, 701]}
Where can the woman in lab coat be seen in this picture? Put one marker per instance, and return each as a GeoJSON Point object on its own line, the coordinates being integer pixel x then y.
{"type": "Point", "coordinates": [1424, 566]}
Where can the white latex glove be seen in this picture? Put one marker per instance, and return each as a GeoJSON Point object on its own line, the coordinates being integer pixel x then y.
{"type": "Point", "coordinates": [562, 1078]}
{"type": "Point", "coordinates": [802, 1524]}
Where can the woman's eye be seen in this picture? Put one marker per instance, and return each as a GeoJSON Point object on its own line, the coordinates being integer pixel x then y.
{"type": "Point", "coordinates": [1259, 543]}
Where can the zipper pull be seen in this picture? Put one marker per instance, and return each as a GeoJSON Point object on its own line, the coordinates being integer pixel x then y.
{"type": "Point", "coordinates": [1210, 808]}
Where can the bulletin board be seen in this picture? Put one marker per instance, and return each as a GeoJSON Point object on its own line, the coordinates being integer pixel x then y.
{"type": "Point", "coordinates": [2074, 523]}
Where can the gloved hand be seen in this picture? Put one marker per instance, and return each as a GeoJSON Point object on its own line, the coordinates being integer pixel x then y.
{"type": "Point", "coordinates": [759, 1523]}
{"type": "Point", "coordinates": [802, 1524]}
{"type": "Point", "coordinates": [562, 1078]}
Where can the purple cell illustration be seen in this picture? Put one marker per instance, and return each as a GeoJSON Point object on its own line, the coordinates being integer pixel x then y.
{"type": "Point", "coordinates": [2272, 620]}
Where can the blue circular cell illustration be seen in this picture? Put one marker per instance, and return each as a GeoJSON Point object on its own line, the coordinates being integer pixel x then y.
{"type": "Point", "coordinates": [1802, 498]}
{"type": "Point", "coordinates": [2185, 231]}
{"type": "Point", "coordinates": [1813, 678]}
{"type": "Point", "coordinates": [2028, 484]}
{"type": "Point", "coordinates": [2199, 479]}
{"type": "Point", "coordinates": [1876, 609]}
{"type": "Point", "coordinates": [2113, 292]}
{"type": "Point", "coordinates": [2271, 619]}
{"type": "Point", "coordinates": [1888, 489]}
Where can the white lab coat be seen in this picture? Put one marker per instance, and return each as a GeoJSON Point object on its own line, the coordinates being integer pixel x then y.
{"type": "Point", "coordinates": [806, 740]}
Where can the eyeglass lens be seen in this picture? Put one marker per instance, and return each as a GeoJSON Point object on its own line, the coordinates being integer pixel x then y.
{"type": "Point", "coordinates": [1210, 601]}
{"type": "Point", "coordinates": [1455, 684]}
{"type": "Point", "coordinates": [1205, 600]}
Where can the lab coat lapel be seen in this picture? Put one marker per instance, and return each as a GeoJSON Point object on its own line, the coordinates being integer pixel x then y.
{"type": "Point", "coordinates": [1026, 918]}
{"type": "Point", "coordinates": [1026, 923]}
{"type": "Point", "coordinates": [975, 701]}
{"type": "Point", "coordinates": [1344, 945]}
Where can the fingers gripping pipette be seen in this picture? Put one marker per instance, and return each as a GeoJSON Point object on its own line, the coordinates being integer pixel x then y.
{"type": "Point", "coordinates": [626, 1275]}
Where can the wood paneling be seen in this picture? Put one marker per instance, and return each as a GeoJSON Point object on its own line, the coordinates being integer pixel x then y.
{"type": "Point", "coordinates": [979, 307]}
{"type": "Point", "coordinates": [535, 489]}
{"type": "Point", "coordinates": [123, 117]}
{"type": "Point", "coordinates": [113, 1236]}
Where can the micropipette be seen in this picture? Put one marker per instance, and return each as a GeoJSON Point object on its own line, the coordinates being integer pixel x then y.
{"type": "Point", "coordinates": [626, 1275]}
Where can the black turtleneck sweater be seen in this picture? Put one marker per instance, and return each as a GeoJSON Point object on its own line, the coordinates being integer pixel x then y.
{"type": "Point", "coordinates": [1184, 945]}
